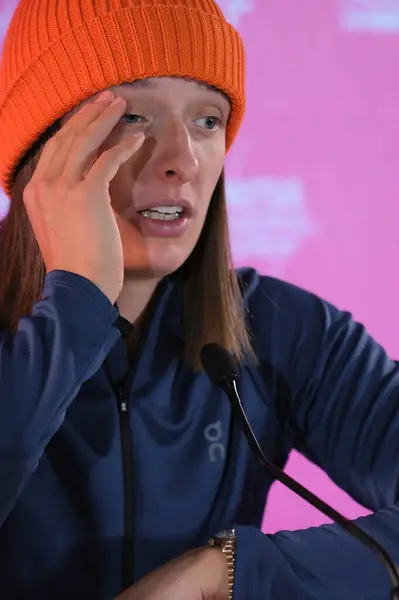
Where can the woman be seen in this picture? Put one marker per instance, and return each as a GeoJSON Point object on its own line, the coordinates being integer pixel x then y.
{"type": "Point", "coordinates": [118, 459]}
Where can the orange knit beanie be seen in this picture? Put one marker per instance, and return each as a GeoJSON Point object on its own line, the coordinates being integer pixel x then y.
{"type": "Point", "coordinates": [58, 53]}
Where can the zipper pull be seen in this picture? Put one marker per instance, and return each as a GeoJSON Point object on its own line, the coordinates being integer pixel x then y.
{"type": "Point", "coordinates": [122, 403]}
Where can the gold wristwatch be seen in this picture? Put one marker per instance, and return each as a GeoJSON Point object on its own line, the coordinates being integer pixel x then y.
{"type": "Point", "coordinates": [226, 541]}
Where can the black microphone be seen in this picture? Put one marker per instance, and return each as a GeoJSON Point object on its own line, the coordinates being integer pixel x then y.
{"type": "Point", "coordinates": [223, 372]}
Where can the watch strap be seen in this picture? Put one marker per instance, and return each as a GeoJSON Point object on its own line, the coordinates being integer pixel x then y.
{"type": "Point", "coordinates": [226, 541]}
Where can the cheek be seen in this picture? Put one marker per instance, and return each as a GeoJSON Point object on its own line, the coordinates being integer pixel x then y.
{"type": "Point", "coordinates": [114, 138]}
{"type": "Point", "coordinates": [212, 155]}
{"type": "Point", "coordinates": [212, 171]}
{"type": "Point", "coordinates": [118, 188]}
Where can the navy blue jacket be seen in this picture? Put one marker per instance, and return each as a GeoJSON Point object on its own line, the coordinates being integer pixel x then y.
{"type": "Point", "coordinates": [103, 478]}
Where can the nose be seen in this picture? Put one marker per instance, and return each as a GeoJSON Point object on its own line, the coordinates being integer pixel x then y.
{"type": "Point", "coordinates": [175, 157]}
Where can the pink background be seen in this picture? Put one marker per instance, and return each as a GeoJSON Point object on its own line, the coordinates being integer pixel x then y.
{"type": "Point", "coordinates": [313, 177]}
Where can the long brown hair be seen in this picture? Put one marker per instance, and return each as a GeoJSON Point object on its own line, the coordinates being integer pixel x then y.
{"type": "Point", "coordinates": [213, 305]}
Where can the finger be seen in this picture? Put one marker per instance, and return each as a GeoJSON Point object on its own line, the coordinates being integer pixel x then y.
{"type": "Point", "coordinates": [106, 167]}
{"type": "Point", "coordinates": [58, 148]}
{"type": "Point", "coordinates": [87, 144]}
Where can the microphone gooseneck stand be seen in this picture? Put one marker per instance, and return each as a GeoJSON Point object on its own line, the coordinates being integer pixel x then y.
{"type": "Point", "coordinates": [222, 370]}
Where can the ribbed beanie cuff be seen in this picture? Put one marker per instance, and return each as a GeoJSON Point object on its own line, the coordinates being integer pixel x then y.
{"type": "Point", "coordinates": [121, 45]}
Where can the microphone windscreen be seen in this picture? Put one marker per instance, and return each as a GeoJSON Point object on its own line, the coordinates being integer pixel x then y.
{"type": "Point", "coordinates": [219, 364]}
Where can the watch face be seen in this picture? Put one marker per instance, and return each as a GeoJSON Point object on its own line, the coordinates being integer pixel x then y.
{"type": "Point", "coordinates": [225, 535]}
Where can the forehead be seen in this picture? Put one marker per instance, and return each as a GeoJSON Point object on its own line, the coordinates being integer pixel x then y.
{"type": "Point", "coordinates": [153, 83]}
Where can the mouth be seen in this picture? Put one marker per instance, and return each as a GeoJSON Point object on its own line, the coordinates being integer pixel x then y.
{"type": "Point", "coordinates": [164, 213]}
{"type": "Point", "coordinates": [170, 218]}
{"type": "Point", "coordinates": [167, 209]}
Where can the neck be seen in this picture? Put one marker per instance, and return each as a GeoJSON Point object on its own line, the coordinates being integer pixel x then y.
{"type": "Point", "coordinates": [134, 298]}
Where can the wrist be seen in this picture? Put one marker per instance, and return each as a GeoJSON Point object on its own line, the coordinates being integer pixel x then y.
{"type": "Point", "coordinates": [225, 543]}
{"type": "Point", "coordinates": [215, 572]}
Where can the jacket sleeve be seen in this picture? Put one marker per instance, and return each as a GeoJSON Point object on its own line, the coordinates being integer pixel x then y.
{"type": "Point", "coordinates": [42, 366]}
{"type": "Point", "coordinates": [345, 413]}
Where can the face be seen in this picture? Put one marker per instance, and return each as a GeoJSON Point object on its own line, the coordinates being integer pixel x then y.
{"type": "Point", "coordinates": [161, 195]}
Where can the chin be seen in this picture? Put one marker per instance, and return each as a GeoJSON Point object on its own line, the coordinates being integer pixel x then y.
{"type": "Point", "coordinates": [156, 262]}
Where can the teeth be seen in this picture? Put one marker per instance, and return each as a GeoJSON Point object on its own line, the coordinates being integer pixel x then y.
{"type": "Point", "coordinates": [166, 213]}
{"type": "Point", "coordinates": [167, 209]}
{"type": "Point", "coordinates": [148, 214]}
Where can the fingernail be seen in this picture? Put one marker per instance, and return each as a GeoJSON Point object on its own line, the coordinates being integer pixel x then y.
{"type": "Point", "coordinates": [104, 96]}
{"type": "Point", "coordinates": [117, 100]}
{"type": "Point", "coordinates": [138, 136]}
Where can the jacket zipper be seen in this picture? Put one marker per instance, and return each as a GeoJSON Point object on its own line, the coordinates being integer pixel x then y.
{"type": "Point", "coordinates": [127, 470]}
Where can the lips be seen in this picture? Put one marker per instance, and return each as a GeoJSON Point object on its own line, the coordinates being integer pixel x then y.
{"type": "Point", "coordinates": [164, 221]}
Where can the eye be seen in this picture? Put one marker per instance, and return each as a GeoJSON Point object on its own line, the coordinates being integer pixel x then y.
{"type": "Point", "coordinates": [132, 119]}
{"type": "Point", "coordinates": [211, 123]}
